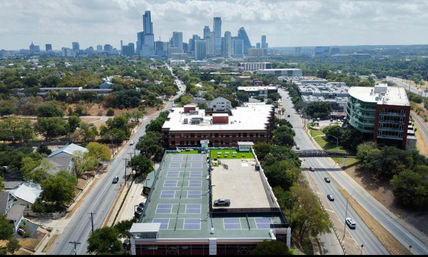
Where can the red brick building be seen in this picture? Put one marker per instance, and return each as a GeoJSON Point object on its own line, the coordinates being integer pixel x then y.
{"type": "Point", "coordinates": [187, 126]}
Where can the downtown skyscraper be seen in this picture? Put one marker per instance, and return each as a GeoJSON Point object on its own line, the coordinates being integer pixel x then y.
{"type": "Point", "coordinates": [217, 36]}
{"type": "Point", "coordinates": [146, 39]}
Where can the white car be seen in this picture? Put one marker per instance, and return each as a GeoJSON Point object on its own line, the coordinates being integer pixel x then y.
{"type": "Point", "coordinates": [351, 223]}
{"type": "Point", "coordinates": [131, 142]}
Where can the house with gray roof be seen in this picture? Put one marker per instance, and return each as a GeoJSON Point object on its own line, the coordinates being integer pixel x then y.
{"type": "Point", "coordinates": [14, 212]}
{"type": "Point", "coordinates": [62, 158]}
{"type": "Point", "coordinates": [26, 194]}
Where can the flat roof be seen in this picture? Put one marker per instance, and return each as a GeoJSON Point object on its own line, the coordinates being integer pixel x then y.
{"type": "Point", "coordinates": [259, 88]}
{"type": "Point", "coordinates": [252, 116]}
{"type": "Point", "coordinates": [225, 184]}
{"type": "Point", "coordinates": [388, 96]}
{"type": "Point", "coordinates": [180, 202]}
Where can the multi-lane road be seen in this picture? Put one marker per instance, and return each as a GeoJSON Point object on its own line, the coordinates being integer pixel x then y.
{"type": "Point", "coordinates": [325, 167]}
{"type": "Point", "coordinates": [101, 198]}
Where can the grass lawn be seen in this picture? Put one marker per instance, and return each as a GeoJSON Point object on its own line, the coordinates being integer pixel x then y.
{"type": "Point", "coordinates": [319, 138]}
{"type": "Point", "coordinates": [239, 155]}
{"type": "Point", "coordinates": [349, 161]}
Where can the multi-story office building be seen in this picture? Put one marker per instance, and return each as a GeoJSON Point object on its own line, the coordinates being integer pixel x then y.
{"type": "Point", "coordinates": [128, 50]}
{"type": "Point", "coordinates": [177, 40]}
{"type": "Point", "coordinates": [335, 93]}
{"type": "Point", "coordinates": [264, 91]}
{"type": "Point", "coordinates": [258, 45]}
{"type": "Point", "coordinates": [48, 47]}
{"type": "Point", "coordinates": [75, 46]}
{"type": "Point", "coordinates": [146, 39]}
{"type": "Point", "coordinates": [189, 125]}
{"type": "Point", "coordinates": [282, 72]}
{"type": "Point", "coordinates": [99, 48]}
{"type": "Point", "coordinates": [242, 34]}
{"type": "Point", "coordinates": [321, 51]}
{"type": "Point", "coordinates": [210, 41]}
{"type": "Point", "coordinates": [217, 36]}
{"type": "Point", "coordinates": [256, 52]}
{"type": "Point", "coordinates": [381, 111]}
{"type": "Point", "coordinates": [161, 49]}
{"type": "Point", "coordinates": [200, 49]}
{"type": "Point", "coordinates": [108, 48]}
{"type": "Point", "coordinates": [227, 44]}
{"type": "Point", "coordinates": [207, 32]}
{"type": "Point", "coordinates": [264, 44]}
{"type": "Point", "coordinates": [237, 47]}
{"type": "Point", "coordinates": [181, 217]}
{"type": "Point", "coordinates": [255, 66]}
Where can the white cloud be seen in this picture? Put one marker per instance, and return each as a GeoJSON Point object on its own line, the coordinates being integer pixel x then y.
{"type": "Point", "coordinates": [285, 22]}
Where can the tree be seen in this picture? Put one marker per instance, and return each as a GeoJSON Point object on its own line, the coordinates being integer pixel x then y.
{"type": "Point", "coordinates": [262, 149]}
{"type": "Point", "coordinates": [104, 241]}
{"type": "Point", "coordinates": [308, 217]}
{"type": "Point", "coordinates": [49, 110]}
{"type": "Point", "coordinates": [14, 128]}
{"type": "Point", "coordinates": [110, 112]}
{"type": "Point", "coordinates": [150, 145]}
{"type": "Point", "coordinates": [83, 162]}
{"type": "Point", "coordinates": [99, 151]}
{"type": "Point", "coordinates": [13, 245]}
{"type": "Point", "coordinates": [73, 123]}
{"type": "Point", "coordinates": [318, 110]}
{"type": "Point", "coordinates": [57, 190]}
{"type": "Point", "coordinates": [43, 149]}
{"type": "Point", "coordinates": [51, 126]}
{"type": "Point", "coordinates": [283, 136]}
{"type": "Point", "coordinates": [411, 188]}
{"type": "Point", "coordinates": [242, 96]}
{"type": "Point", "coordinates": [271, 247]}
{"type": "Point", "coordinates": [282, 174]}
{"type": "Point", "coordinates": [123, 228]}
{"type": "Point", "coordinates": [141, 165]}
{"type": "Point", "coordinates": [6, 229]}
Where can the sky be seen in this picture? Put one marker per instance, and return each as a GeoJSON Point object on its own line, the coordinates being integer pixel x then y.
{"type": "Point", "coordinates": [284, 22]}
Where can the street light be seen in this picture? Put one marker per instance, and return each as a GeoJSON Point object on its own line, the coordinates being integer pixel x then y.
{"type": "Point", "coordinates": [337, 140]}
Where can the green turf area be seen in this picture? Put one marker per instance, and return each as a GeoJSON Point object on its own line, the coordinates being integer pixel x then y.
{"type": "Point", "coordinates": [239, 155]}
{"type": "Point", "coordinates": [349, 161]}
{"type": "Point", "coordinates": [319, 138]}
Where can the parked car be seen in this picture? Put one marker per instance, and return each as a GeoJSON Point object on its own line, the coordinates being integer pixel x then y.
{"type": "Point", "coordinates": [20, 232]}
{"type": "Point", "coordinates": [297, 147]}
{"type": "Point", "coordinates": [139, 209]}
{"type": "Point", "coordinates": [131, 142]}
{"type": "Point", "coordinates": [115, 179]}
{"type": "Point", "coordinates": [288, 115]}
{"type": "Point", "coordinates": [311, 168]}
{"type": "Point", "coordinates": [222, 202]}
{"type": "Point", "coordinates": [330, 197]}
{"type": "Point", "coordinates": [138, 213]}
{"type": "Point", "coordinates": [351, 223]}
{"type": "Point", "coordinates": [327, 179]}
{"type": "Point", "coordinates": [142, 204]}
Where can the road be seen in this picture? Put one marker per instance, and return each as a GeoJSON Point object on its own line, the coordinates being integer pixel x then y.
{"type": "Point", "coordinates": [326, 167]}
{"type": "Point", "coordinates": [401, 83]}
{"type": "Point", "coordinates": [423, 128]}
{"type": "Point", "coordinates": [101, 198]}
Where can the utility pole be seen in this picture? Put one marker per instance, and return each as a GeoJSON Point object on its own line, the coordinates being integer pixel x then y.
{"type": "Point", "coordinates": [75, 243]}
{"type": "Point", "coordinates": [92, 220]}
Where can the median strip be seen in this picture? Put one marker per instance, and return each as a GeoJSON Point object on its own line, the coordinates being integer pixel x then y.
{"type": "Point", "coordinates": [391, 244]}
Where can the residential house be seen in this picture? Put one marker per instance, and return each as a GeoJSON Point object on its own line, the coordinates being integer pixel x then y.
{"type": "Point", "coordinates": [62, 158]}
{"type": "Point", "coordinates": [14, 212]}
{"type": "Point", "coordinates": [26, 194]}
{"type": "Point", "coordinates": [220, 104]}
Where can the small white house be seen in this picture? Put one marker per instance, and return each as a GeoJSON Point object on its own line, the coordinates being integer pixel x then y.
{"type": "Point", "coordinates": [26, 194]}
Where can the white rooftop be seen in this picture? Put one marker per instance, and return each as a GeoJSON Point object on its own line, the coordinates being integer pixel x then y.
{"type": "Point", "coordinates": [252, 116]}
{"type": "Point", "coordinates": [28, 192]}
{"type": "Point", "coordinates": [145, 227]}
{"type": "Point", "coordinates": [70, 149]}
{"type": "Point", "coordinates": [259, 88]}
{"type": "Point", "coordinates": [381, 94]}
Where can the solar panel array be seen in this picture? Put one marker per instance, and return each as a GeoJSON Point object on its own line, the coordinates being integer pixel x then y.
{"type": "Point", "coordinates": [167, 194]}
{"type": "Point", "coordinates": [193, 208]}
{"type": "Point", "coordinates": [163, 221]}
{"type": "Point", "coordinates": [164, 208]}
{"type": "Point", "coordinates": [192, 224]}
{"type": "Point", "coordinates": [170, 183]}
{"type": "Point", "coordinates": [232, 223]}
{"type": "Point", "coordinates": [196, 174]}
{"type": "Point", "coordinates": [194, 194]}
{"type": "Point", "coordinates": [263, 223]}
{"type": "Point", "coordinates": [195, 183]}
{"type": "Point", "coordinates": [173, 174]}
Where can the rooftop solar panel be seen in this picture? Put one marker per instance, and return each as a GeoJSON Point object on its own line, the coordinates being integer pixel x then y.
{"type": "Point", "coordinates": [173, 174]}
{"type": "Point", "coordinates": [193, 208]}
{"type": "Point", "coordinates": [170, 183]}
{"type": "Point", "coordinates": [163, 221]}
{"type": "Point", "coordinates": [164, 208]}
{"type": "Point", "coordinates": [197, 158]}
{"type": "Point", "coordinates": [167, 194]}
{"type": "Point", "coordinates": [192, 224]}
{"type": "Point", "coordinates": [196, 165]}
{"type": "Point", "coordinates": [263, 223]}
{"type": "Point", "coordinates": [195, 174]}
{"type": "Point", "coordinates": [232, 224]}
{"type": "Point", "coordinates": [194, 194]}
{"type": "Point", "coordinates": [195, 183]}
{"type": "Point", "coordinates": [175, 165]}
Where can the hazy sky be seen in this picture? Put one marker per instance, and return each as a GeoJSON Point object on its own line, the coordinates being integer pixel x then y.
{"type": "Point", "coordinates": [285, 22]}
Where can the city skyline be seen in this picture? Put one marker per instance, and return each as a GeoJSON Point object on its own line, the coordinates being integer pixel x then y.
{"type": "Point", "coordinates": [286, 23]}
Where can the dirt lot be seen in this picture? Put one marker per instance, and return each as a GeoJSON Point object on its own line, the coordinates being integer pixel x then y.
{"type": "Point", "coordinates": [382, 191]}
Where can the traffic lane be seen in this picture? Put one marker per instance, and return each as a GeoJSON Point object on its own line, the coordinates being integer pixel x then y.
{"type": "Point", "coordinates": [380, 213]}
{"type": "Point", "coordinates": [362, 234]}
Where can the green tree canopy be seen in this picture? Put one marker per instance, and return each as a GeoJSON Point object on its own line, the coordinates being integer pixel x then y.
{"type": "Point", "coordinates": [272, 247]}
{"type": "Point", "coordinates": [105, 241]}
